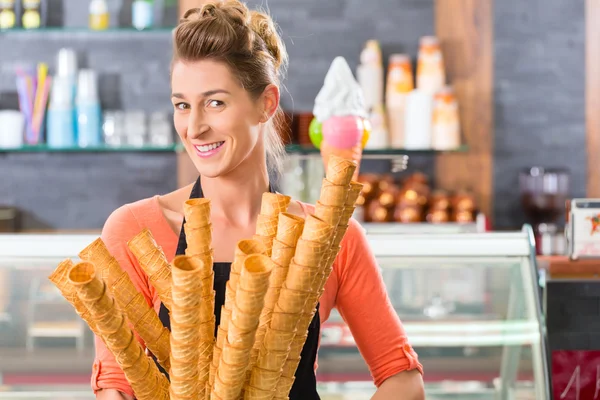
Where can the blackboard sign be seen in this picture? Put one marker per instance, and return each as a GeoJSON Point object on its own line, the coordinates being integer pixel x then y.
{"type": "Point", "coordinates": [576, 375]}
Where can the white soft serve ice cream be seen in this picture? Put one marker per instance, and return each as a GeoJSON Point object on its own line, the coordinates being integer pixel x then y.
{"type": "Point", "coordinates": [340, 95]}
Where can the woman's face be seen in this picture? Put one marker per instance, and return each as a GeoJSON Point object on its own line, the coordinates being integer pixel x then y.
{"type": "Point", "coordinates": [215, 117]}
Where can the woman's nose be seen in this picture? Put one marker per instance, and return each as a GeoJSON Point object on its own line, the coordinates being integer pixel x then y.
{"type": "Point", "coordinates": [197, 125]}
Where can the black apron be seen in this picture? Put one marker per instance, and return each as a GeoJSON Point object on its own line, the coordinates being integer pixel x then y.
{"type": "Point", "coordinates": [305, 384]}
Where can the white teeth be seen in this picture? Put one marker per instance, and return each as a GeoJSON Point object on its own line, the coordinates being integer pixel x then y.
{"type": "Point", "coordinates": [209, 147]}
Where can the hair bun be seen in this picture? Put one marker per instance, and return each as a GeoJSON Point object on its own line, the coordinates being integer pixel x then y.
{"type": "Point", "coordinates": [263, 26]}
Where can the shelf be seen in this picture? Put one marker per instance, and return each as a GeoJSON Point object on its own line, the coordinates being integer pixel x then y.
{"type": "Point", "coordinates": [84, 30]}
{"type": "Point", "coordinates": [101, 149]}
{"type": "Point", "coordinates": [305, 150]}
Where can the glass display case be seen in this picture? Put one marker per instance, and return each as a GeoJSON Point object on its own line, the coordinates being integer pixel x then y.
{"type": "Point", "coordinates": [469, 303]}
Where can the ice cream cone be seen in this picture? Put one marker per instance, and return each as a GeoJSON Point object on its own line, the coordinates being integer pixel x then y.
{"type": "Point", "coordinates": [240, 338]}
{"type": "Point", "coordinates": [266, 242]}
{"type": "Point", "coordinates": [266, 225]}
{"type": "Point", "coordinates": [339, 235]}
{"type": "Point", "coordinates": [290, 367]}
{"type": "Point", "coordinates": [264, 379]}
{"type": "Point", "coordinates": [316, 230]}
{"type": "Point", "coordinates": [272, 360]}
{"type": "Point", "coordinates": [291, 301]}
{"type": "Point", "coordinates": [282, 253]}
{"type": "Point", "coordinates": [353, 193]}
{"type": "Point", "coordinates": [255, 273]}
{"type": "Point", "coordinates": [274, 203]}
{"type": "Point", "coordinates": [301, 277]}
{"type": "Point", "coordinates": [332, 194]}
{"type": "Point", "coordinates": [341, 165]}
{"type": "Point", "coordinates": [252, 393]}
{"type": "Point", "coordinates": [140, 371]}
{"type": "Point", "coordinates": [154, 263]}
{"type": "Point", "coordinates": [59, 278]}
{"type": "Point", "coordinates": [346, 215]}
{"type": "Point", "coordinates": [284, 386]}
{"type": "Point", "coordinates": [309, 253]}
{"type": "Point", "coordinates": [285, 322]}
{"type": "Point", "coordinates": [226, 316]}
{"type": "Point", "coordinates": [197, 212]}
{"type": "Point", "coordinates": [198, 240]}
{"type": "Point", "coordinates": [233, 355]}
{"type": "Point", "coordinates": [276, 340]}
{"type": "Point", "coordinates": [245, 321]}
{"type": "Point", "coordinates": [226, 390]}
{"type": "Point", "coordinates": [231, 374]}
{"type": "Point", "coordinates": [289, 228]}
{"type": "Point", "coordinates": [328, 214]}
{"type": "Point", "coordinates": [105, 264]}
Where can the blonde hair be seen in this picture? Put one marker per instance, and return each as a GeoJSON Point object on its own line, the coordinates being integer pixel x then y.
{"type": "Point", "coordinates": [248, 42]}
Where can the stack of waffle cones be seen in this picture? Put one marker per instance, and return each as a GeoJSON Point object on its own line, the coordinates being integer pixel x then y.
{"type": "Point", "coordinates": [275, 282]}
{"type": "Point", "coordinates": [153, 261]}
{"type": "Point", "coordinates": [185, 335]}
{"type": "Point", "coordinates": [141, 316]}
{"type": "Point", "coordinates": [141, 372]}
{"type": "Point", "coordinates": [198, 232]}
{"type": "Point", "coordinates": [266, 222]}
{"type": "Point", "coordinates": [248, 304]}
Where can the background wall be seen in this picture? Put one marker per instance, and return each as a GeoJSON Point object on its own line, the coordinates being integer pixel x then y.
{"type": "Point", "coordinates": [539, 94]}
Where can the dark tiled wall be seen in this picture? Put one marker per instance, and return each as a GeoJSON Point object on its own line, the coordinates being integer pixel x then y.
{"type": "Point", "coordinates": [79, 190]}
{"type": "Point", "coordinates": [539, 96]}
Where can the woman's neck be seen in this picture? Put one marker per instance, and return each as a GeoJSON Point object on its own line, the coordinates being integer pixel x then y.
{"type": "Point", "coordinates": [237, 196]}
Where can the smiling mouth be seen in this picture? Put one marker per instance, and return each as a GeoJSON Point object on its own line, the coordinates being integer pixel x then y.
{"type": "Point", "coordinates": [208, 147]}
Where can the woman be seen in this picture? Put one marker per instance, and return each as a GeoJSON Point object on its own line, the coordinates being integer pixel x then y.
{"type": "Point", "coordinates": [225, 78]}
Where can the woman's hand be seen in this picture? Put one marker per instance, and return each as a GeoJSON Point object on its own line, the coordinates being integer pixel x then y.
{"type": "Point", "coordinates": [406, 385]}
{"type": "Point", "coordinates": [112, 394]}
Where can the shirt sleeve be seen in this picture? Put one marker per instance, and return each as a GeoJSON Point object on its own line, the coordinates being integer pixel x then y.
{"type": "Point", "coordinates": [119, 228]}
{"type": "Point", "coordinates": [364, 305]}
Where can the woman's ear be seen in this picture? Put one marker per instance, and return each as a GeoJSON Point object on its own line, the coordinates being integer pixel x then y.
{"type": "Point", "coordinates": [270, 102]}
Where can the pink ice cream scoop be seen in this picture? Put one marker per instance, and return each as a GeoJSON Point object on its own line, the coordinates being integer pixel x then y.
{"type": "Point", "coordinates": [343, 132]}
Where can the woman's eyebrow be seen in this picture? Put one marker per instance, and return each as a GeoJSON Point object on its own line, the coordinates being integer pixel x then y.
{"type": "Point", "coordinates": [205, 94]}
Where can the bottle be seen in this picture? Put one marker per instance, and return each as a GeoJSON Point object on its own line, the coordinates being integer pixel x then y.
{"type": "Point", "coordinates": [446, 125]}
{"type": "Point", "coordinates": [89, 113]}
{"type": "Point", "coordinates": [99, 16]}
{"type": "Point", "coordinates": [400, 83]}
{"type": "Point", "coordinates": [8, 14]}
{"type": "Point", "coordinates": [142, 14]}
{"type": "Point", "coordinates": [33, 14]}
{"type": "Point", "coordinates": [378, 138]}
{"type": "Point", "coordinates": [417, 126]}
{"type": "Point", "coordinates": [370, 75]}
{"type": "Point", "coordinates": [60, 123]}
{"type": "Point", "coordinates": [431, 76]}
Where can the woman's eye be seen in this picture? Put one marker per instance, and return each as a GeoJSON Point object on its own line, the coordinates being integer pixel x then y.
{"type": "Point", "coordinates": [215, 103]}
{"type": "Point", "coordinates": [182, 106]}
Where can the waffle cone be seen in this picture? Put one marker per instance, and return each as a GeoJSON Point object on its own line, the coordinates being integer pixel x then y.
{"type": "Point", "coordinates": [290, 367]}
{"type": "Point", "coordinates": [154, 263]}
{"type": "Point", "coordinates": [232, 374]}
{"type": "Point", "coordinates": [266, 242]}
{"type": "Point", "coordinates": [225, 317]}
{"type": "Point", "coordinates": [276, 340]}
{"type": "Point", "coordinates": [278, 275]}
{"type": "Point", "coordinates": [252, 393]}
{"type": "Point", "coordinates": [105, 264]}
{"type": "Point", "coordinates": [197, 212]}
{"type": "Point", "coordinates": [266, 225]}
{"type": "Point", "coordinates": [238, 338]}
{"type": "Point", "coordinates": [282, 253]}
{"type": "Point", "coordinates": [309, 252]}
{"type": "Point", "coordinates": [340, 170]}
{"type": "Point", "coordinates": [274, 203]}
{"type": "Point", "coordinates": [316, 230]}
{"type": "Point", "coordinates": [226, 390]}
{"type": "Point", "coordinates": [255, 274]}
{"type": "Point", "coordinates": [247, 247]}
{"type": "Point", "coordinates": [285, 322]}
{"type": "Point", "coordinates": [264, 379]}
{"type": "Point", "coordinates": [301, 278]}
{"type": "Point", "coordinates": [346, 215]}
{"type": "Point", "coordinates": [271, 360]}
{"type": "Point", "coordinates": [298, 343]}
{"type": "Point", "coordinates": [329, 214]}
{"type": "Point", "coordinates": [207, 329]}
{"type": "Point", "coordinates": [140, 371]}
{"type": "Point", "coordinates": [340, 232]}
{"type": "Point", "coordinates": [60, 279]}
{"type": "Point", "coordinates": [289, 228]}
{"type": "Point", "coordinates": [332, 194]}
{"type": "Point", "coordinates": [235, 354]}
{"type": "Point", "coordinates": [291, 301]}
{"type": "Point", "coordinates": [284, 386]}
{"type": "Point", "coordinates": [198, 240]}
{"type": "Point", "coordinates": [353, 193]}
{"type": "Point", "coordinates": [207, 308]}
{"type": "Point", "coordinates": [245, 321]}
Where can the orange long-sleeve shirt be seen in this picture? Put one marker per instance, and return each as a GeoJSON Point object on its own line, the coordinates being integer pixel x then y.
{"type": "Point", "coordinates": [355, 288]}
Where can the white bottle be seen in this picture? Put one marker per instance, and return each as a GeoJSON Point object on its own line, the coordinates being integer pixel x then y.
{"type": "Point", "coordinates": [418, 118]}
{"type": "Point", "coordinates": [370, 75]}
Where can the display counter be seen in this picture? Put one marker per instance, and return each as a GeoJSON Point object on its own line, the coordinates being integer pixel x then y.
{"type": "Point", "coordinates": [468, 301]}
